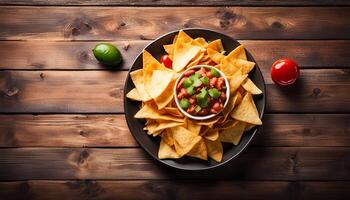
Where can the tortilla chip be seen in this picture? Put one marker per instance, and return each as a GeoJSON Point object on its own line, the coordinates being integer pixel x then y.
{"type": "Point", "coordinates": [158, 83]}
{"type": "Point", "coordinates": [215, 55]}
{"type": "Point", "coordinates": [149, 111]}
{"type": "Point", "coordinates": [214, 149]}
{"type": "Point", "coordinates": [227, 67]}
{"type": "Point", "coordinates": [193, 127]}
{"type": "Point", "coordinates": [216, 45]}
{"type": "Point", "coordinates": [251, 87]}
{"type": "Point", "coordinates": [134, 95]}
{"type": "Point", "coordinates": [228, 124]}
{"type": "Point", "coordinates": [210, 122]}
{"type": "Point", "coordinates": [233, 134]}
{"type": "Point", "coordinates": [246, 111]}
{"type": "Point", "coordinates": [183, 37]}
{"type": "Point", "coordinates": [205, 58]}
{"type": "Point", "coordinates": [166, 97]}
{"type": "Point", "coordinates": [183, 54]}
{"type": "Point", "coordinates": [184, 51]}
{"type": "Point", "coordinates": [137, 79]}
{"type": "Point", "coordinates": [171, 111]}
{"type": "Point", "coordinates": [238, 53]}
{"type": "Point", "coordinates": [195, 60]}
{"type": "Point", "coordinates": [235, 81]}
{"type": "Point", "coordinates": [212, 134]}
{"type": "Point", "coordinates": [166, 151]}
{"type": "Point", "coordinates": [167, 137]}
{"type": "Point", "coordinates": [230, 105]}
{"type": "Point", "coordinates": [184, 140]}
{"type": "Point", "coordinates": [161, 125]}
{"type": "Point", "coordinates": [199, 151]}
{"type": "Point", "coordinates": [169, 48]}
{"type": "Point", "coordinates": [244, 65]}
{"type": "Point", "coordinates": [200, 42]}
{"type": "Point", "coordinates": [239, 98]}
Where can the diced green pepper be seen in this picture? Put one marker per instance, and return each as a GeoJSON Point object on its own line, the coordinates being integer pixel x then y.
{"type": "Point", "coordinates": [195, 76]}
{"type": "Point", "coordinates": [214, 73]}
{"type": "Point", "coordinates": [214, 93]}
{"type": "Point", "coordinates": [188, 82]}
{"type": "Point", "coordinates": [184, 103]}
{"type": "Point", "coordinates": [197, 108]}
{"type": "Point", "coordinates": [205, 80]}
{"type": "Point", "coordinates": [191, 90]}
{"type": "Point", "coordinates": [202, 98]}
{"type": "Point", "coordinates": [197, 82]}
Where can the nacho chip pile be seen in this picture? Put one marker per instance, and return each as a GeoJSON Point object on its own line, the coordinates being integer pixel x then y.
{"type": "Point", "coordinates": [181, 136]}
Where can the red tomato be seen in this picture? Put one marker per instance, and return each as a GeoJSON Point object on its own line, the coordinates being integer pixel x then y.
{"type": "Point", "coordinates": [284, 72]}
{"type": "Point", "coordinates": [166, 61]}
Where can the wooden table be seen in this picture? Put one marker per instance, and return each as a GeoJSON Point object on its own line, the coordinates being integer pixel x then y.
{"type": "Point", "coordinates": [62, 129]}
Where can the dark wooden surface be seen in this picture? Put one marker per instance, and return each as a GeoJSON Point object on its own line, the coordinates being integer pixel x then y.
{"type": "Point", "coordinates": [62, 130]}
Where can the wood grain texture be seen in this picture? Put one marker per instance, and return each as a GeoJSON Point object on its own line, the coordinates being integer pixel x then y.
{"type": "Point", "coordinates": [257, 163]}
{"type": "Point", "coordinates": [78, 55]}
{"type": "Point", "coordinates": [308, 130]}
{"type": "Point", "coordinates": [158, 189]}
{"type": "Point", "coordinates": [321, 90]}
{"type": "Point", "coordinates": [177, 3]}
{"type": "Point", "coordinates": [126, 23]}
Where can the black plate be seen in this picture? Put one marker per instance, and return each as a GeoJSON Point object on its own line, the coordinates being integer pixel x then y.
{"type": "Point", "coordinates": [151, 144]}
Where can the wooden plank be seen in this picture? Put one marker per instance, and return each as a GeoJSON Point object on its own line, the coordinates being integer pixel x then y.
{"type": "Point", "coordinates": [321, 90]}
{"type": "Point", "coordinates": [156, 189]}
{"type": "Point", "coordinates": [177, 3]}
{"type": "Point", "coordinates": [311, 130]}
{"type": "Point", "coordinates": [78, 55]}
{"type": "Point", "coordinates": [126, 23]}
{"type": "Point", "coordinates": [268, 163]}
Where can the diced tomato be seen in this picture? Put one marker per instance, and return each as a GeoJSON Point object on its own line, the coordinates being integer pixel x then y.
{"type": "Point", "coordinates": [213, 81]}
{"type": "Point", "coordinates": [166, 61]}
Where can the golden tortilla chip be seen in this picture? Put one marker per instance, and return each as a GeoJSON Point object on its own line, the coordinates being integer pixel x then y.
{"type": "Point", "coordinates": [149, 111]}
{"type": "Point", "coordinates": [158, 83]}
{"type": "Point", "coordinates": [166, 151]}
{"type": "Point", "coordinates": [195, 60]}
{"type": "Point", "coordinates": [200, 42]}
{"type": "Point", "coordinates": [166, 97]}
{"type": "Point", "coordinates": [184, 140]}
{"type": "Point", "coordinates": [171, 111]}
{"type": "Point", "coordinates": [210, 122]}
{"type": "Point", "coordinates": [169, 48]}
{"type": "Point", "coordinates": [251, 87]}
{"type": "Point", "coordinates": [137, 79]}
{"type": "Point", "coordinates": [233, 134]}
{"type": "Point", "coordinates": [199, 151]}
{"type": "Point", "coordinates": [227, 67]}
{"type": "Point", "coordinates": [214, 149]}
{"type": "Point", "coordinates": [246, 111]}
{"type": "Point", "coordinates": [193, 127]}
{"type": "Point", "coordinates": [212, 134]}
{"type": "Point", "coordinates": [167, 137]}
{"type": "Point", "coordinates": [216, 45]}
{"type": "Point", "coordinates": [230, 105]}
{"type": "Point", "coordinates": [215, 55]}
{"type": "Point", "coordinates": [161, 125]}
{"type": "Point", "coordinates": [134, 95]}
{"type": "Point", "coordinates": [184, 51]}
{"type": "Point", "coordinates": [235, 81]}
{"type": "Point", "coordinates": [238, 53]}
{"type": "Point", "coordinates": [244, 65]}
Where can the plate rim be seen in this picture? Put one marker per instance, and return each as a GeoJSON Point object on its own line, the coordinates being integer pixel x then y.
{"type": "Point", "coordinates": [218, 165]}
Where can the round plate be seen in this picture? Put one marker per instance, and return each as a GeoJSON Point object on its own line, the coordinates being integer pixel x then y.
{"type": "Point", "coordinates": [151, 144]}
